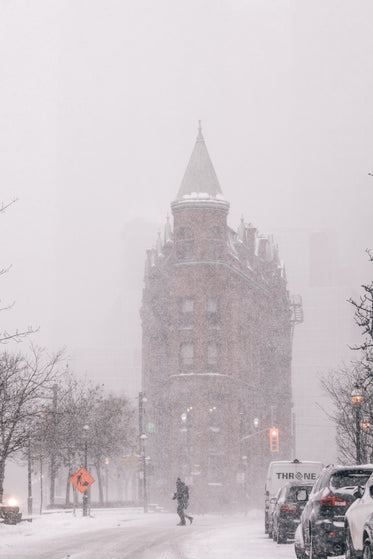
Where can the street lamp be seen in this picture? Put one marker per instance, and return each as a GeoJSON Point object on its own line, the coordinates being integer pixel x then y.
{"type": "Point", "coordinates": [85, 494]}
{"type": "Point", "coordinates": [29, 481]}
{"type": "Point", "coordinates": [357, 398]}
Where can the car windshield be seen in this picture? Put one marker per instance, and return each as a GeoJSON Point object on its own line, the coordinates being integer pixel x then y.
{"type": "Point", "coordinates": [294, 492]}
{"type": "Point", "coordinates": [349, 478]}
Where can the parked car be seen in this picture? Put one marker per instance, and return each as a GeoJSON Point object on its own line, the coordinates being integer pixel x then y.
{"type": "Point", "coordinates": [299, 543]}
{"type": "Point", "coordinates": [279, 473]}
{"type": "Point", "coordinates": [355, 519]}
{"type": "Point", "coordinates": [322, 519]}
{"type": "Point", "coordinates": [289, 505]}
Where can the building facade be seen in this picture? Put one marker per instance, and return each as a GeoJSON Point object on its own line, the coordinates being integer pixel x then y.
{"type": "Point", "coordinates": [217, 325]}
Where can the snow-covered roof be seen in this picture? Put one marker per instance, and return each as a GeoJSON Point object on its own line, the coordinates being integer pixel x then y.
{"type": "Point", "coordinates": [200, 181]}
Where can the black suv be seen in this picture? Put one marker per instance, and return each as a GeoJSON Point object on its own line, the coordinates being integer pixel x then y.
{"type": "Point", "coordinates": [290, 502]}
{"type": "Point", "coordinates": [322, 519]}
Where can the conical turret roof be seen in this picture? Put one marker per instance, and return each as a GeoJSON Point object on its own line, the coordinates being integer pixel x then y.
{"type": "Point", "coordinates": [200, 177]}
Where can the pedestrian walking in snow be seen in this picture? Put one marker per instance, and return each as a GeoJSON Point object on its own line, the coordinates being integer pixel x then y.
{"type": "Point", "coordinates": [182, 496]}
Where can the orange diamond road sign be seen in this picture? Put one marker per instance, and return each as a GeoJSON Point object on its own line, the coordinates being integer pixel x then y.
{"type": "Point", "coordinates": [82, 480]}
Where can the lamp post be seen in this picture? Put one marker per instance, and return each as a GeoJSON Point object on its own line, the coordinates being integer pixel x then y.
{"type": "Point", "coordinates": [246, 463]}
{"type": "Point", "coordinates": [142, 438]}
{"type": "Point", "coordinates": [357, 398]}
{"type": "Point", "coordinates": [85, 494]}
{"type": "Point", "coordinates": [186, 428]}
{"type": "Point", "coordinates": [29, 480]}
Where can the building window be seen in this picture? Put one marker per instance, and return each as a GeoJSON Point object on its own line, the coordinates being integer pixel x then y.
{"type": "Point", "coordinates": [184, 243]}
{"type": "Point", "coordinates": [212, 356]}
{"type": "Point", "coordinates": [215, 243]}
{"type": "Point", "coordinates": [186, 312]}
{"type": "Point", "coordinates": [186, 357]}
{"type": "Point", "coordinates": [213, 317]}
{"type": "Point", "coordinates": [215, 233]}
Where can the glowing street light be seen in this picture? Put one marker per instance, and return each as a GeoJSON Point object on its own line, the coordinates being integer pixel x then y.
{"type": "Point", "coordinates": [357, 399]}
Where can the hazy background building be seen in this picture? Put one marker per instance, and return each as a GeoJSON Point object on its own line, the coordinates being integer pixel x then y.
{"type": "Point", "coordinates": [217, 333]}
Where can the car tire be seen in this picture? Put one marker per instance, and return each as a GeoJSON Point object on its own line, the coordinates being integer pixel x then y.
{"type": "Point", "coordinates": [367, 550]}
{"type": "Point", "coordinates": [300, 553]}
{"type": "Point", "coordinates": [350, 552]}
{"type": "Point", "coordinates": [314, 553]}
{"type": "Point", "coordinates": [280, 538]}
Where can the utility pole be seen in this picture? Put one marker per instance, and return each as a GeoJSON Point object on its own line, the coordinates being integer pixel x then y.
{"type": "Point", "coordinates": [85, 494]}
{"type": "Point", "coordinates": [142, 438]}
{"type": "Point", "coordinates": [53, 443]}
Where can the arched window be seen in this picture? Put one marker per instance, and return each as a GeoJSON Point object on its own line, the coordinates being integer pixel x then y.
{"type": "Point", "coordinates": [184, 243]}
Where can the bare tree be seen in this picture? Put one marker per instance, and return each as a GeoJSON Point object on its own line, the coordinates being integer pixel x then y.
{"type": "Point", "coordinates": [18, 335]}
{"type": "Point", "coordinates": [354, 426]}
{"type": "Point", "coordinates": [111, 423]}
{"type": "Point", "coordinates": [24, 381]}
{"type": "Point", "coordinates": [110, 419]}
{"type": "Point", "coordinates": [364, 314]}
{"type": "Point", "coordinates": [354, 422]}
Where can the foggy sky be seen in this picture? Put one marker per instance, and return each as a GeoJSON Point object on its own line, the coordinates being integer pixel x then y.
{"type": "Point", "coordinates": [99, 105]}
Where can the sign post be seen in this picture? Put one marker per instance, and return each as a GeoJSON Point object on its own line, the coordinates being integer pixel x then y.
{"type": "Point", "coordinates": [82, 480]}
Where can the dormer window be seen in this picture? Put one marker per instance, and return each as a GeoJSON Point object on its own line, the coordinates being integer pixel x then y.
{"type": "Point", "coordinates": [184, 243]}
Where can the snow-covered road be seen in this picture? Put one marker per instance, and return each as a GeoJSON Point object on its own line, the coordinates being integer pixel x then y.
{"type": "Point", "coordinates": [128, 533]}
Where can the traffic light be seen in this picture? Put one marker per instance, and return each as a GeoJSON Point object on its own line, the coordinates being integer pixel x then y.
{"type": "Point", "coordinates": [131, 461]}
{"type": "Point", "coordinates": [274, 444]}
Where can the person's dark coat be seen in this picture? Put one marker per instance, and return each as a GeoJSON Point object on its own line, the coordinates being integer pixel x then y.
{"type": "Point", "coordinates": [181, 494]}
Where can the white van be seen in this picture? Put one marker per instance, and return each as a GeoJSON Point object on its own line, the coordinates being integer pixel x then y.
{"type": "Point", "coordinates": [279, 473]}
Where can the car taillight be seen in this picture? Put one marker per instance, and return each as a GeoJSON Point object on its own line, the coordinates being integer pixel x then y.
{"type": "Point", "coordinates": [331, 501]}
{"type": "Point", "coordinates": [288, 508]}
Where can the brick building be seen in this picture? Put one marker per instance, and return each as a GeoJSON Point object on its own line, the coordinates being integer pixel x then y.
{"type": "Point", "coordinates": [217, 327]}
